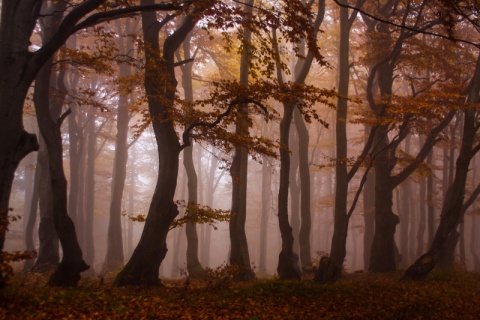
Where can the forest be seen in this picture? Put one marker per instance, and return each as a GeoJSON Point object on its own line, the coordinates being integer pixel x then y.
{"type": "Point", "coordinates": [286, 151]}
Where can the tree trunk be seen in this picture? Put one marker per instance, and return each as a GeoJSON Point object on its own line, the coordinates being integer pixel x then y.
{"type": "Point", "coordinates": [341, 218]}
{"type": "Point", "coordinates": [266, 191]}
{"type": "Point", "coordinates": [32, 218]}
{"type": "Point", "coordinates": [143, 266]}
{"type": "Point", "coordinates": [193, 264]}
{"type": "Point", "coordinates": [114, 255]}
{"type": "Point", "coordinates": [17, 22]}
{"type": "Point", "coordinates": [382, 258]}
{"type": "Point", "coordinates": [294, 190]}
{"type": "Point", "coordinates": [305, 205]}
{"type": "Point", "coordinates": [368, 213]}
{"type": "Point", "coordinates": [287, 260]}
{"type": "Point", "coordinates": [48, 255]}
{"type": "Point", "coordinates": [90, 191]}
{"type": "Point", "coordinates": [423, 213]}
{"type": "Point", "coordinates": [239, 254]}
{"type": "Point", "coordinates": [452, 212]}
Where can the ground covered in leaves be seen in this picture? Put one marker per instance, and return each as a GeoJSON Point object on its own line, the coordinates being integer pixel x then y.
{"type": "Point", "coordinates": [218, 296]}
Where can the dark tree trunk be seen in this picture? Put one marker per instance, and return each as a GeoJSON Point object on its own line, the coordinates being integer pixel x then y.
{"type": "Point", "coordinates": [90, 191]}
{"type": "Point", "coordinates": [239, 254]}
{"type": "Point", "coordinates": [72, 264]}
{"type": "Point", "coordinates": [430, 205]}
{"type": "Point", "coordinates": [294, 190]}
{"type": "Point", "coordinates": [287, 260]}
{"type": "Point", "coordinates": [452, 212]}
{"type": "Point", "coordinates": [423, 213]}
{"type": "Point", "coordinates": [143, 266]}
{"type": "Point", "coordinates": [266, 191]}
{"type": "Point", "coordinates": [368, 213]}
{"type": "Point", "coordinates": [305, 205]}
{"type": "Point", "coordinates": [18, 19]}
{"type": "Point", "coordinates": [193, 264]}
{"type": "Point", "coordinates": [382, 258]}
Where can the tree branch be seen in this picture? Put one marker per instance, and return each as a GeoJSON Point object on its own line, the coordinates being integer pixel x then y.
{"type": "Point", "coordinates": [186, 134]}
{"type": "Point", "coordinates": [414, 29]}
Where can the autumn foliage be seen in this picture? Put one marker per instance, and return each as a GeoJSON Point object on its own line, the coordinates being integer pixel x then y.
{"type": "Point", "coordinates": [218, 296]}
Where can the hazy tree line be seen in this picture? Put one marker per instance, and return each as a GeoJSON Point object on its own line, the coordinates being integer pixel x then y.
{"type": "Point", "coordinates": [341, 130]}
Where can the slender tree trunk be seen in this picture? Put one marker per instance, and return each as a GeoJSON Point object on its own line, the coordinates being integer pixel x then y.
{"type": "Point", "coordinates": [305, 205]}
{"type": "Point", "coordinates": [239, 254]}
{"type": "Point", "coordinates": [193, 263]}
{"type": "Point", "coordinates": [32, 218]}
{"type": "Point", "coordinates": [90, 191]}
{"type": "Point", "coordinates": [338, 248]}
{"type": "Point", "coordinates": [288, 260]}
{"type": "Point", "coordinates": [115, 256]}
{"type": "Point", "coordinates": [423, 213]}
{"type": "Point", "coordinates": [430, 204]}
{"type": "Point", "coordinates": [294, 191]}
{"type": "Point", "coordinates": [266, 191]}
{"type": "Point", "coordinates": [48, 255]}
{"type": "Point", "coordinates": [368, 213]}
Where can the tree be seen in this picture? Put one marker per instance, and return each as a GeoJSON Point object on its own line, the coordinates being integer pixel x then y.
{"type": "Point", "coordinates": [453, 206]}
{"type": "Point", "coordinates": [114, 258]}
{"type": "Point", "coordinates": [19, 68]}
{"type": "Point", "coordinates": [339, 239]}
{"type": "Point", "coordinates": [239, 255]}
{"type": "Point", "coordinates": [160, 86]}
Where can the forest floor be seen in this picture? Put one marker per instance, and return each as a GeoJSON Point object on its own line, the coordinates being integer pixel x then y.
{"type": "Point", "coordinates": [217, 296]}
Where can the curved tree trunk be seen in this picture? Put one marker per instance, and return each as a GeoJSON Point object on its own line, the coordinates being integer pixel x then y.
{"type": "Point", "coordinates": [452, 212]}
{"type": "Point", "coordinates": [143, 266]}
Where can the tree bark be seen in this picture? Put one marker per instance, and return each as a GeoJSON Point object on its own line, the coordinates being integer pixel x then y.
{"type": "Point", "coordinates": [287, 260]}
{"type": "Point", "coordinates": [239, 254]}
{"type": "Point", "coordinates": [143, 266]}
